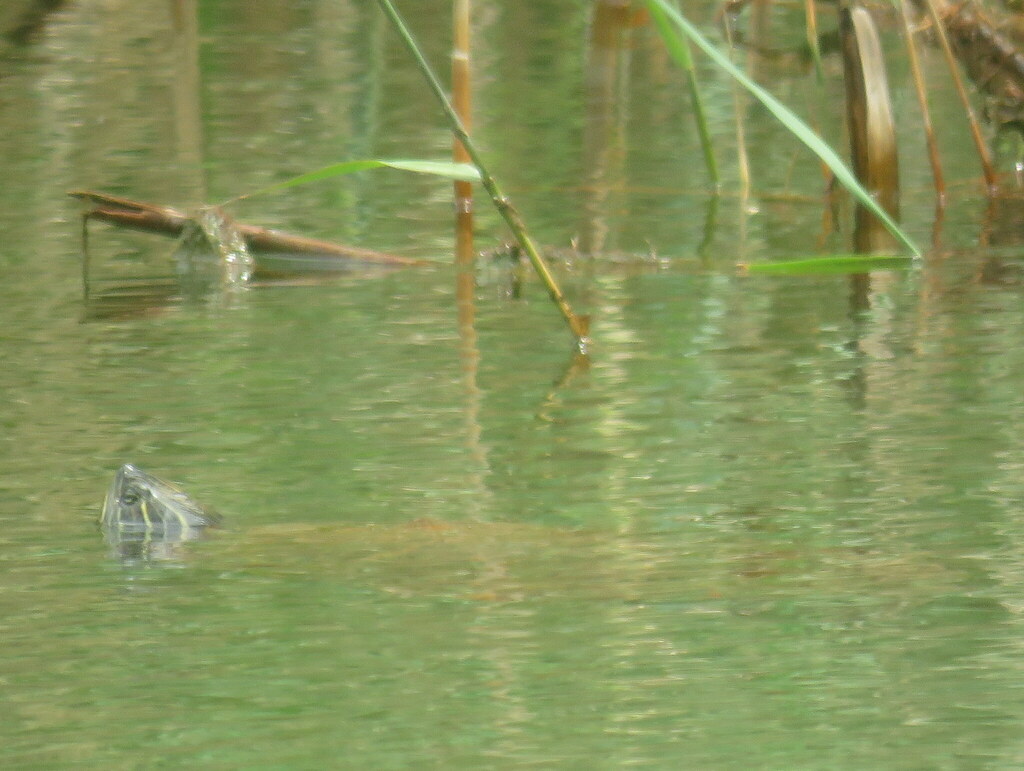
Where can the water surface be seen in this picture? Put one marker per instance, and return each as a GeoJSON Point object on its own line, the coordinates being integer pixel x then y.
{"type": "Point", "coordinates": [762, 526]}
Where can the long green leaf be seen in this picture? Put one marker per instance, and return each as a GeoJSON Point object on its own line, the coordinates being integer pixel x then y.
{"type": "Point", "coordinates": [788, 118]}
{"type": "Point", "coordinates": [847, 263]}
{"type": "Point", "coordinates": [463, 172]}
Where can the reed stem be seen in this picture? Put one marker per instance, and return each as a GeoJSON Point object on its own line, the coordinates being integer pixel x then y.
{"type": "Point", "coordinates": [461, 95]}
{"type": "Point", "coordinates": [917, 75]}
{"type": "Point", "coordinates": [987, 169]}
{"type": "Point", "coordinates": [679, 49]}
{"type": "Point", "coordinates": [578, 324]}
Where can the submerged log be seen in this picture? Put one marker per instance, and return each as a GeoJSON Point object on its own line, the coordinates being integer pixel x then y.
{"type": "Point", "coordinates": [165, 220]}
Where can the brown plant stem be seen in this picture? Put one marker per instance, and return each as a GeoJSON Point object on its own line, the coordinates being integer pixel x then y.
{"type": "Point", "coordinates": [461, 97]}
{"type": "Point", "coordinates": [979, 142]}
{"type": "Point", "coordinates": [922, 99]}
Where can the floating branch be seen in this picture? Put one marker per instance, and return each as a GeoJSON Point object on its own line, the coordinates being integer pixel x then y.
{"type": "Point", "coordinates": [164, 220]}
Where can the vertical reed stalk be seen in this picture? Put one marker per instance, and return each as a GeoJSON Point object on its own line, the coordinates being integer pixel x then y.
{"type": "Point", "coordinates": [979, 142]}
{"type": "Point", "coordinates": [811, 14]}
{"type": "Point", "coordinates": [679, 50]}
{"type": "Point", "coordinates": [465, 282]}
{"type": "Point", "coordinates": [742, 160]}
{"type": "Point", "coordinates": [604, 129]}
{"type": "Point", "coordinates": [461, 96]}
{"type": "Point", "coordinates": [922, 100]}
{"type": "Point", "coordinates": [465, 278]}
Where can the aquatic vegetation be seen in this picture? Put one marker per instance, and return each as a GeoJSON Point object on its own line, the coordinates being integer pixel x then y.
{"type": "Point", "coordinates": [680, 27]}
{"type": "Point", "coordinates": [844, 263]}
{"type": "Point", "coordinates": [580, 325]}
{"type": "Point", "coordinates": [679, 49]}
{"type": "Point", "coordinates": [464, 172]}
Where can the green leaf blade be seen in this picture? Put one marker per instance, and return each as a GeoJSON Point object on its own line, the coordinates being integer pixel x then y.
{"type": "Point", "coordinates": [836, 264]}
{"type": "Point", "coordinates": [787, 117]}
{"type": "Point", "coordinates": [461, 172]}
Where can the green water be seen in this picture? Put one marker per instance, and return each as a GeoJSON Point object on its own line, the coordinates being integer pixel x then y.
{"type": "Point", "coordinates": [758, 528]}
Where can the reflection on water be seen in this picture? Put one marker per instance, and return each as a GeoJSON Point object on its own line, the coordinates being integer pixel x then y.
{"type": "Point", "coordinates": [757, 528]}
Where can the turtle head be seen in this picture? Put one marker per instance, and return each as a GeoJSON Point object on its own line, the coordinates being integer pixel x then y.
{"type": "Point", "coordinates": [145, 517]}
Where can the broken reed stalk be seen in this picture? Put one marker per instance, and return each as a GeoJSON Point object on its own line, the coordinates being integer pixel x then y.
{"type": "Point", "coordinates": [872, 130]}
{"type": "Point", "coordinates": [578, 324]}
{"type": "Point", "coordinates": [869, 109]}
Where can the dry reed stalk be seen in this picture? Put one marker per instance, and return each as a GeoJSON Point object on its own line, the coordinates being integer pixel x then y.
{"type": "Point", "coordinates": [979, 141]}
{"type": "Point", "coordinates": [922, 100]}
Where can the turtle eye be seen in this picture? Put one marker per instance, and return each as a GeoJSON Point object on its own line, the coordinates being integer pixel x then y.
{"type": "Point", "coordinates": [129, 497]}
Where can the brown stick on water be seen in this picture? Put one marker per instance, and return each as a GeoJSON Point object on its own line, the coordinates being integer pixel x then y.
{"type": "Point", "coordinates": [164, 220]}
